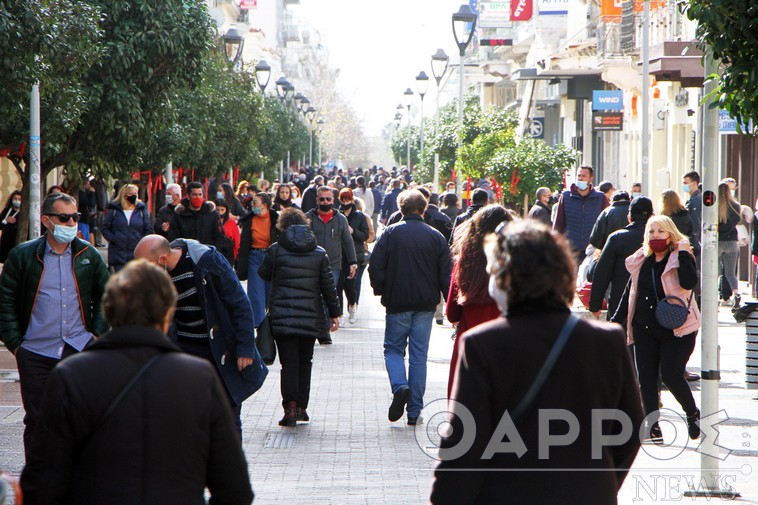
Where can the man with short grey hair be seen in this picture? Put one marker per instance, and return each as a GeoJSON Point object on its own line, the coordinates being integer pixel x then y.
{"type": "Point", "coordinates": [165, 214]}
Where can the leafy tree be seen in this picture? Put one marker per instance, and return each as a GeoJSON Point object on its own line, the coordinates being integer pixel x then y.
{"type": "Point", "coordinates": [284, 132]}
{"type": "Point", "coordinates": [730, 30]}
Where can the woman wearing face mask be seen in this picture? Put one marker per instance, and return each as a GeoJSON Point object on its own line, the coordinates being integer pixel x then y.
{"type": "Point", "coordinates": [296, 196]}
{"type": "Point", "coordinates": [231, 230]}
{"type": "Point", "coordinates": [499, 364]}
{"type": "Point", "coordinates": [8, 224]}
{"type": "Point", "coordinates": [469, 302]}
{"type": "Point", "coordinates": [663, 266]}
{"type": "Point", "coordinates": [126, 221]}
{"type": "Point", "coordinates": [283, 198]}
{"type": "Point", "coordinates": [257, 232]}
{"type": "Point", "coordinates": [359, 230]}
{"type": "Point", "coordinates": [235, 208]}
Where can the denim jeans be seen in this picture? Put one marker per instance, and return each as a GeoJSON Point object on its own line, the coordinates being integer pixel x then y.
{"type": "Point", "coordinates": [257, 289]}
{"type": "Point", "coordinates": [412, 330]}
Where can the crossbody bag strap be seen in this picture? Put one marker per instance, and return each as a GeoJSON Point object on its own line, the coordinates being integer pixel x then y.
{"type": "Point", "coordinates": [547, 366]}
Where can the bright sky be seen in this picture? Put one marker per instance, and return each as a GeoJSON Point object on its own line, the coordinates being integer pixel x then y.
{"type": "Point", "coordinates": [380, 47]}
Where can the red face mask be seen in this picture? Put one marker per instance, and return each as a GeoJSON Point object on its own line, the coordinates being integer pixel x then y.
{"type": "Point", "coordinates": [658, 245]}
{"type": "Point", "coordinates": [197, 201]}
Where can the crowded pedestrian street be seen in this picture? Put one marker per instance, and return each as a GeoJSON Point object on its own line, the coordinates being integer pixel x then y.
{"type": "Point", "coordinates": [350, 454]}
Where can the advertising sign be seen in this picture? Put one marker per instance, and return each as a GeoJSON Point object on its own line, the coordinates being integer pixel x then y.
{"type": "Point", "coordinates": [521, 10]}
{"type": "Point", "coordinates": [607, 100]}
{"type": "Point", "coordinates": [553, 7]}
{"type": "Point", "coordinates": [246, 5]}
{"type": "Point", "coordinates": [607, 121]}
{"type": "Point", "coordinates": [494, 14]}
{"type": "Point", "coordinates": [536, 128]}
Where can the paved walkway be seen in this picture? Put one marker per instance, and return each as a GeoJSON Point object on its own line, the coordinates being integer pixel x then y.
{"type": "Point", "coordinates": [351, 454]}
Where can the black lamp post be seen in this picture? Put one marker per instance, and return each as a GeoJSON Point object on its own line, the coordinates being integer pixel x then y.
{"type": "Point", "coordinates": [304, 105]}
{"type": "Point", "coordinates": [422, 85]}
{"type": "Point", "coordinates": [398, 119]}
{"type": "Point", "coordinates": [464, 22]}
{"type": "Point", "coordinates": [233, 44]}
{"type": "Point", "coordinates": [320, 125]}
{"type": "Point", "coordinates": [262, 74]}
{"type": "Point", "coordinates": [408, 101]}
{"type": "Point", "coordinates": [281, 86]}
{"type": "Point", "coordinates": [310, 113]}
{"type": "Point", "coordinates": [289, 92]}
{"type": "Point", "coordinates": [440, 61]}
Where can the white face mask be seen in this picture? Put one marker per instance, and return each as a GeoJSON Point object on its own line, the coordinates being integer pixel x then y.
{"type": "Point", "coordinates": [497, 294]}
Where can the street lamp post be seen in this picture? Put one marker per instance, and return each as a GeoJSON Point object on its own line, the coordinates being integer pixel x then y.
{"type": "Point", "coordinates": [233, 44]}
{"type": "Point", "coordinates": [464, 22]}
{"type": "Point", "coordinates": [398, 119]}
{"type": "Point", "coordinates": [440, 61]}
{"type": "Point", "coordinates": [310, 113]}
{"type": "Point", "coordinates": [320, 124]}
{"type": "Point", "coordinates": [422, 85]}
{"type": "Point", "coordinates": [262, 74]}
{"type": "Point", "coordinates": [408, 102]}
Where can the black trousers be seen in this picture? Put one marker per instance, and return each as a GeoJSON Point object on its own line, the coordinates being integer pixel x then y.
{"type": "Point", "coordinates": [33, 370]}
{"type": "Point", "coordinates": [201, 348]}
{"type": "Point", "coordinates": [296, 358]}
{"type": "Point", "coordinates": [668, 355]}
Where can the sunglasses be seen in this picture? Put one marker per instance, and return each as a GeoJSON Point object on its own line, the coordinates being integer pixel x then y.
{"type": "Point", "coordinates": [64, 218]}
{"type": "Point", "coordinates": [325, 199]}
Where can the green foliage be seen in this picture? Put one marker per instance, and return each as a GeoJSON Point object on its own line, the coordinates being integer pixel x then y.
{"type": "Point", "coordinates": [730, 30]}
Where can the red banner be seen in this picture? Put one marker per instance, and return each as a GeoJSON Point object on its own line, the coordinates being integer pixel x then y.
{"type": "Point", "coordinates": [521, 10]}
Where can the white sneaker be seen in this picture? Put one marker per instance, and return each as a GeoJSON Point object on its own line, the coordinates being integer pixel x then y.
{"type": "Point", "coordinates": [351, 311]}
{"type": "Point", "coordinates": [342, 321]}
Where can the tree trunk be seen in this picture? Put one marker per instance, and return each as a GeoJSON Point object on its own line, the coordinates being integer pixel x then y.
{"type": "Point", "coordinates": [526, 205]}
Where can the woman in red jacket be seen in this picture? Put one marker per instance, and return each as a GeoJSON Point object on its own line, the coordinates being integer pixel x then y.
{"type": "Point", "coordinates": [468, 301]}
{"type": "Point", "coordinates": [231, 230]}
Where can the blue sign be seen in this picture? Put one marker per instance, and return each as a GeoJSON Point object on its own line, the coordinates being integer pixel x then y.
{"type": "Point", "coordinates": [536, 128]}
{"type": "Point", "coordinates": [607, 100]}
{"type": "Point", "coordinates": [727, 124]}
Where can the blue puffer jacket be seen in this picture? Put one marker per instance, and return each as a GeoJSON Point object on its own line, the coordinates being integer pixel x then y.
{"type": "Point", "coordinates": [577, 216]}
{"type": "Point", "coordinates": [123, 237]}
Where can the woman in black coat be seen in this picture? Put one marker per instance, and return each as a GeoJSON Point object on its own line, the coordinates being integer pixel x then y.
{"type": "Point", "coordinates": [8, 224]}
{"type": "Point", "coordinates": [300, 276]}
{"type": "Point", "coordinates": [359, 230]}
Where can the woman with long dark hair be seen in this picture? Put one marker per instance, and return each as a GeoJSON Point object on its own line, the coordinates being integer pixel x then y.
{"type": "Point", "coordinates": [283, 198]}
{"type": "Point", "coordinates": [468, 301]}
{"type": "Point", "coordinates": [8, 224]}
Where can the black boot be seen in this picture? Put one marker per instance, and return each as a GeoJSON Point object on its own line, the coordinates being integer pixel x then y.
{"type": "Point", "coordinates": [693, 425]}
{"type": "Point", "coordinates": [302, 415]}
{"type": "Point", "coordinates": [290, 415]}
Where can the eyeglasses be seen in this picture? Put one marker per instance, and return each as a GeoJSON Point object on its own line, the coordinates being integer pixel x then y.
{"type": "Point", "coordinates": [64, 218]}
{"type": "Point", "coordinates": [325, 199]}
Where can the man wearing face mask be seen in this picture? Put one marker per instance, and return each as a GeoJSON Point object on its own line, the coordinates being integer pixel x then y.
{"type": "Point", "coordinates": [540, 210]}
{"type": "Point", "coordinates": [578, 209]}
{"type": "Point", "coordinates": [197, 219]}
{"type": "Point", "coordinates": [165, 214]}
{"type": "Point", "coordinates": [50, 295]}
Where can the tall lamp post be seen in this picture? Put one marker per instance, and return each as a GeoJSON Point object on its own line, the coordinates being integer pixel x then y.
{"type": "Point", "coordinates": [422, 85]}
{"type": "Point", "coordinates": [310, 113]}
{"type": "Point", "coordinates": [398, 119]}
{"type": "Point", "coordinates": [282, 88]}
{"type": "Point", "coordinates": [234, 42]}
{"type": "Point", "coordinates": [262, 75]}
{"type": "Point", "coordinates": [440, 61]}
{"type": "Point", "coordinates": [464, 22]}
{"type": "Point", "coordinates": [408, 94]}
{"type": "Point", "coordinates": [320, 125]}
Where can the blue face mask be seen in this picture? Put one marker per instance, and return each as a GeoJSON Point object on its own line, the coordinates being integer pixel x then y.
{"type": "Point", "coordinates": [220, 194]}
{"type": "Point", "coordinates": [64, 234]}
{"type": "Point", "coordinates": [582, 185]}
{"type": "Point", "coordinates": [256, 210]}
{"type": "Point", "coordinates": [686, 188]}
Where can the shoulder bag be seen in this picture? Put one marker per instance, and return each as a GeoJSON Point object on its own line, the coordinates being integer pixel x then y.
{"type": "Point", "coordinates": [670, 311]}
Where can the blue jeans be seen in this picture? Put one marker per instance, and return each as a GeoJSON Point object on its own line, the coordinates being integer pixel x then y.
{"type": "Point", "coordinates": [257, 289]}
{"type": "Point", "coordinates": [408, 329]}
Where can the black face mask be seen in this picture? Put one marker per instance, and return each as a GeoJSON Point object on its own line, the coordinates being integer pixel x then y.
{"type": "Point", "coordinates": [325, 208]}
{"type": "Point", "coordinates": [131, 199]}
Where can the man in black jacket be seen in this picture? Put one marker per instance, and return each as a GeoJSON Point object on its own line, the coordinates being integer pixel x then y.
{"type": "Point", "coordinates": [478, 200]}
{"type": "Point", "coordinates": [197, 219]}
{"type": "Point", "coordinates": [611, 268]}
{"type": "Point", "coordinates": [409, 268]}
{"type": "Point", "coordinates": [540, 210]}
{"type": "Point", "coordinates": [310, 200]}
{"type": "Point", "coordinates": [165, 214]}
{"type": "Point", "coordinates": [611, 219]}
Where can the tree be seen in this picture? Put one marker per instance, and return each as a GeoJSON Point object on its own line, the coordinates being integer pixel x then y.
{"type": "Point", "coordinates": [729, 29]}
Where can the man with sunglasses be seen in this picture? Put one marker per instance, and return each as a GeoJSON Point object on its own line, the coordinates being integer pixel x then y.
{"type": "Point", "coordinates": [334, 234]}
{"type": "Point", "coordinates": [50, 294]}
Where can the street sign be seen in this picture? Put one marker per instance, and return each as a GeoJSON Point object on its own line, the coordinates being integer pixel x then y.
{"type": "Point", "coordinates": [246, 5]}
{"type": "Point", "coordinates": [536, 128]}
{"type": "Point", "coordinates": [607, 121]}
{"type": "Point", "coordinates": [607, 100]}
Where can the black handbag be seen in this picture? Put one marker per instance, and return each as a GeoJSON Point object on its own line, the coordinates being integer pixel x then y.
{"type": "Point", "coordinates": [671, 311]}
{"type": "Point", "coordinates": [264, 341]}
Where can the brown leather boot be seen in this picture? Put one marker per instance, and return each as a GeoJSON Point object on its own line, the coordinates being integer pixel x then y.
{"type": "Point", "coordinates": [290, 415]}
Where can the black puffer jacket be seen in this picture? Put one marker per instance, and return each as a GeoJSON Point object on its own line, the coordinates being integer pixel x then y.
{"type": "Point", "coordinates": [301, 276]}
{"type": "Point", "coordinates": [359, 223]}
{"type": "Point", "coordinates": [613, 218]}
{"type": "Point", "coordinates": [202, 225]}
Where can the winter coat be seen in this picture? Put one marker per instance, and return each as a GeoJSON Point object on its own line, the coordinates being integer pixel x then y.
{"type": "Point", "coordinates": [301, 278]}
{"type": "Point", "coordinates": [20, 282]}
{"type": "Point", "coordinates": [498, 364]}
{"type": "Point", "coordinates": [410, 266]}
{"type": "Point", "coordinates": [358, 221]}
{"type": "Point", "coordinates": [541, 213]}
{"type": "Point", "coordinates": [389, 203]}
{"type": "Point", "coordinates": [228, 315]}
{"type": "Point", "coordinates": [310, 198]}
{"type": "Point", "coordinates": [695, 207]}
{"type": "Point", "coordinates": [451, 212]}
{"type": "Point", "coordinates": [172, 435]}
{"type": "Point", "coordinates": [246, 240]}
{"type": "Point", "coordinates": [377, 200]}
{"type": "Point", "coordinates": [10, 232]}
{"type": "Point", "coordinates": [232, 231]}
{"type": "Point", "coordinates": [202, 225]}
{"type": "Point", "coordinates": [334, 236]}
{"type": "Point", "coordinates": [123, 237]}
{"type": "Point", "coordinates": [728, 229]}
{"type": "Point", "coordinates": [576, 215]}
{"type": "Point", "coordinates": [164, 215]}
{"type": "Point", "coordinates": [463, 217]}
{"type": "Point", "coordinates": [367, 196]}
{"type": "Point", "coordinates": [671, 287]}
{"type": "Point", "coordinates": [613, 218]}
{"type": "Point", "coordinates": [611, 267]}
{"type": "Point", "coordinates": [435, 218]}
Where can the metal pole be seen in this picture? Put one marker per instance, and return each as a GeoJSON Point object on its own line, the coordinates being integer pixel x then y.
{"type": "Point", "coordinates": [408, 141]}
{"type": "Point", "coordinates": [709, 359]}
{"type": "Point", "coordinates": [421, 131]}
{"type": "Point", "coordinates": [35, 170]}
{"type": "Point", "coordinates": [436, 129]}
{"type": "Point", "coordinates": [644, 176]}
{"type": "Point", "coordinates": [169, 173]}
{"type": "Point", "coordinates": [310, 152]}
{"type": "Point", "coordinates": [319, 150]}
{"type": "Point", "coordinates": [281, 171]}
{"type": "Point", "coordinates": [459, 175]}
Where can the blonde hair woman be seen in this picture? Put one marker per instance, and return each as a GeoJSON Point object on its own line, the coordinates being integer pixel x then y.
{"type": "Point", "coordinates": [663, 266]}
{"type": "Point", "coordinates": [126, 221]}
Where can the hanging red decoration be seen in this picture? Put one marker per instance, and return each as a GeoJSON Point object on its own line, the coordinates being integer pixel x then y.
{"type": "Point", "coordinates": [514, 182]}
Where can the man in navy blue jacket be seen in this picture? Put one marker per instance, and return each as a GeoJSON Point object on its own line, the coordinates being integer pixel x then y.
{"type": "Point", "coordinates": [409, 268]}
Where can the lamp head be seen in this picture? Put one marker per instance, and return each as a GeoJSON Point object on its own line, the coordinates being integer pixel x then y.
{"type": "Point", "coordinates": [464, 22]}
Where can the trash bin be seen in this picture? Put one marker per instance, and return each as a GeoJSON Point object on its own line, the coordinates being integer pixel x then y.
{"type": "Point", "coordinates": [751, 351]}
